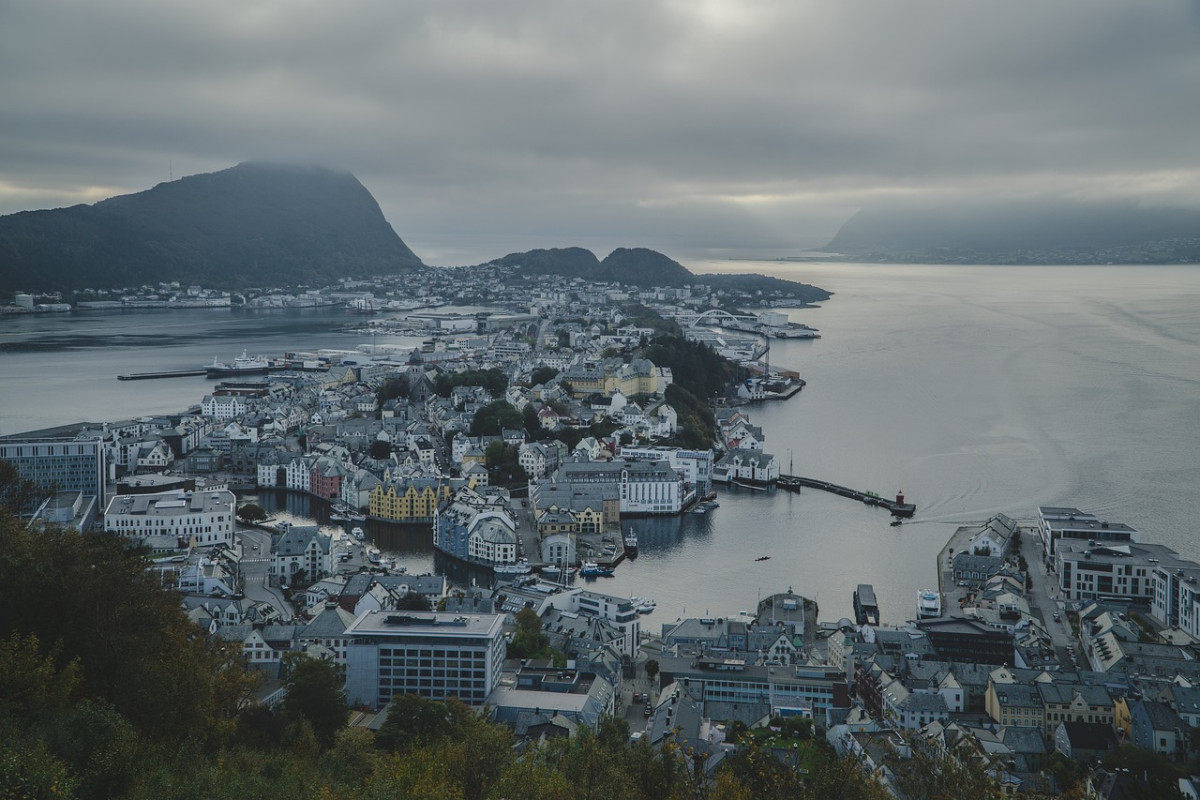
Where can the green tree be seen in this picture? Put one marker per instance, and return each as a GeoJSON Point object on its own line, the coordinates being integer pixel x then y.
{"type": "Point", "coordinates": [135, 649]}
{"type": "Point", "coordinates": [494, 418]}
{"type": "Point", "coordinates": [391, 389]}
{"type": "Point", "coordinates": [314, 693]}
{"type": "Point", "coordinates": [251, 512]}
{"type": "Point", "coordinates": [529, 641]}
{"type": "Point", "coordinates": [542, 376]}
{"type": "Point", "coordinates": [652, 669]}
{"type": "Point", "coordinates": [18, 495]}
{"type": "Point", "coordinates": [380, 450]}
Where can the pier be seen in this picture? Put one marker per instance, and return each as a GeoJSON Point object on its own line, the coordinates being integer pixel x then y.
{"type": "Point", "coordinates": [149, 376]}
{"type": "Point", "coordinates": [897, 507]}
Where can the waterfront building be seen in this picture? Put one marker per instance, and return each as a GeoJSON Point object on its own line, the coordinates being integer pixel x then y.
{"type": "Point", "coordinates": [1056, 523]}
{"type": "Point", "coordinates": [432, 655]}
{"type": "Point", "coordinates": [1176, 595]}
{"type": "Point", "coordinates": [205, 518]}
{"type": "Point", "coordinates": [694, 467]}
{"type": "Point", "coordinates": [1103, 570]}
{"type": "Point", "coordinates": [477, 528]}
{"type": "Point", "coordinates": [751, 466]}
{"type": "Point", "coordinates": [644, 487]}
{"type": "Point", "coordinates": [327, 477]}
{"type": "Point", "coordinates": [63, 464]}
{"type": "Point", "coordinates": [412, 499]}
{"type": "Point", "coordinates": [959, 639]}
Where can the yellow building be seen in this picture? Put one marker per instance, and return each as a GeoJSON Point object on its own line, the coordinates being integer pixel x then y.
{"type": "Point", "coordinates": [638, 377]}
{"type": "Point", "coordinates": [409, 499]}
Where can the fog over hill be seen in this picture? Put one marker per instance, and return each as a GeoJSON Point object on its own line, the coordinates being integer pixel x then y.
{"type": "Point", "coordinates": [255, 224]}
{"type": "Point", "coordinates": [1042, 231]}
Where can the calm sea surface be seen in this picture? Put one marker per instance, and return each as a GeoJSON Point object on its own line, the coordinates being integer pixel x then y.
{"type": "Point", "coordinates": [975, 390]}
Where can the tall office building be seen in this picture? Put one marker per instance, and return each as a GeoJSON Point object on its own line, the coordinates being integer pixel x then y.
{"type": "Point", "coordinates": [62, 464]}
{"type": "Point", "coordinates": [433, 655]}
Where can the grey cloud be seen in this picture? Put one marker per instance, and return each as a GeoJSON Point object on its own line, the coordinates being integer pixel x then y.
{"type": "Point", "coordinates": [701, 126]}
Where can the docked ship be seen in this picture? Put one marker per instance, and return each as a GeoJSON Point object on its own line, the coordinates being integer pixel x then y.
{"type": "Point", "coordinates": [631, 543]}
{"type": "Point", "coordinates": [591, 569]}
{"type": "Point", "coordinates": [242, 365]}
{"type": "Point", "coordinates": [929, 604]}
{"type": "Point", "coordinates": [521, 567]}
{"type": "Point", "coordinates": [866, 608]}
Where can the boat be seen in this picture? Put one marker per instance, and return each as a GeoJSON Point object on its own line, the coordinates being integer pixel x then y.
{"type": "Point", "coordinates": [521, 567]}
{"type": "Point", "coordinates": [336, 517]}
{"type": "Point", "coordinates": [896, 523]}
{"type": "Point", "coordinates": [762, 558]}
{"type": "Point", "coordinates": [242, 365]}
{"type": "Point", "coordinates": [631, 540]}
{"type": "Point", "coordinates": [929, 604]}
{"type": "Point", "coordinates": [357, 533]}
{"type": "Point", "coordinates": [591, 569]}
{"type": "Point", "coordinates": [646, 606]}
{"type": "Point", "coordinates": [866, 608]}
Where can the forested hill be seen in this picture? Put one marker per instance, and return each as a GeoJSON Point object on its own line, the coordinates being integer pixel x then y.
{"type": "Point", "coordinates": [639, 266]}
{"type": "Point", "coordinates": [1028, 232]}
{"type": "Point", "coordinates": [255, 224]}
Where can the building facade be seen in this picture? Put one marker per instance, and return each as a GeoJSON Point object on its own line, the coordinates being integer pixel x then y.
{"type": "Point", "coordinates": [205, 518]}
{"type": "Point", "coordinates": [436, 656]}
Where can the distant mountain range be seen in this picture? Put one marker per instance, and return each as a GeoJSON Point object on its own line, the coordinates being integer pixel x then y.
{"type": "Point", "coordinates": [256, 224]}
{"type": "Point", "coordinates": [1030, 232]}
{"type": "Point", "coordinates": [639, 266]}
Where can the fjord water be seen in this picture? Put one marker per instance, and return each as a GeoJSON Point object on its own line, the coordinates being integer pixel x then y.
{"type": "Point", "coordinates": [975, 390]}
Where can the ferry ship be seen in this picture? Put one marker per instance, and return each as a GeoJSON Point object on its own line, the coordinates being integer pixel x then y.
{"type": "Point", "coordinates": [866, 608]}
{"type": "Point", "coordinates": [242, 365]}
{"type": "Point", "coordinates": [929, 604]}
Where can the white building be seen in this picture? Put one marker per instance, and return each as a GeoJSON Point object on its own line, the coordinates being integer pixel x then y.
{"type": "Point", "coordinates": [1056, 523]}
{"type": "Point", "coordinates": [431, 655]}
{"type": "Point", "coordinates": [205, 518]}
{"type": "Point", "coordinates": [752, 466]}
{"type": "Point", "coordinates": [222, 407]}
{"type": "Point", "coordinates": [1106, 570]}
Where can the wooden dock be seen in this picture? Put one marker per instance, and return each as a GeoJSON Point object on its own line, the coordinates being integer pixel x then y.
{"type": "Point", "coordinates": [897, 507]}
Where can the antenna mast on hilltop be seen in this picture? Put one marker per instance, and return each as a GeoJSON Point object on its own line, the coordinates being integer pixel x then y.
{"type": "Point", "coordinates": [170, 170]}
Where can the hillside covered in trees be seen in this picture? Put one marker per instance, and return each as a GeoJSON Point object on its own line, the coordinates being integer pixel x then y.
{"type": "Point", "coordinates": [255, 224]}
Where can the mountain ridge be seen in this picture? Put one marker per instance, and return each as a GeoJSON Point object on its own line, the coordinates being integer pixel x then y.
{"type": "Point", "coordinates": [257, 223]}
{"type": "Point", "coordinates": [640, 266]}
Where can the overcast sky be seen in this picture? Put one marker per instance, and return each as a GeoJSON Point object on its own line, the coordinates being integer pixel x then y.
{"type": "Point", "coordinates": [698, 128]}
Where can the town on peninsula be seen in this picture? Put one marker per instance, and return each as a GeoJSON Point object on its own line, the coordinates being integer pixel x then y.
{"type": "Point", "coordinates": [525, 440]}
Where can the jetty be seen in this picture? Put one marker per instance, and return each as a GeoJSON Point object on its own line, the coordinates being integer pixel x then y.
{"type": "Point", "coordinates": [897, 507]}
{"type": "Point", "coordinates": [175, 373]}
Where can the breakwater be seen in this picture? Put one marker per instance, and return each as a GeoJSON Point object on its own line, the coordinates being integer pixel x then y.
{"type": "Point", "coordinates": [897, 507]}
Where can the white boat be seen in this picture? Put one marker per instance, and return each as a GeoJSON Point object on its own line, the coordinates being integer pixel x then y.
{"type": "Point", "coordinates": [929, 604]}
{"type": "Point", "coordinates": [631, 540]}
{"type": "Point", "coordinates": [357, 533]}
{"type": "Point", "coordinates": [643, 605]}
{"type": "Point", "coordinates": [242, 365]}
{"type": "Point", "coordinates": [521, 567]}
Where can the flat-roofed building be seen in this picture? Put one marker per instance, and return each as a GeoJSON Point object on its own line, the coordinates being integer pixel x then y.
{"type": "Point", "coordinates": [1056, 523]}
{"type": "Point", "coordinates": [432, 655]}
{"type": "Point", "coordinates": [75, 464]}
{"type": "Point", "coordinates": [205, 518]}
{"type": "Point", "coordinates": [1091, 570]}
